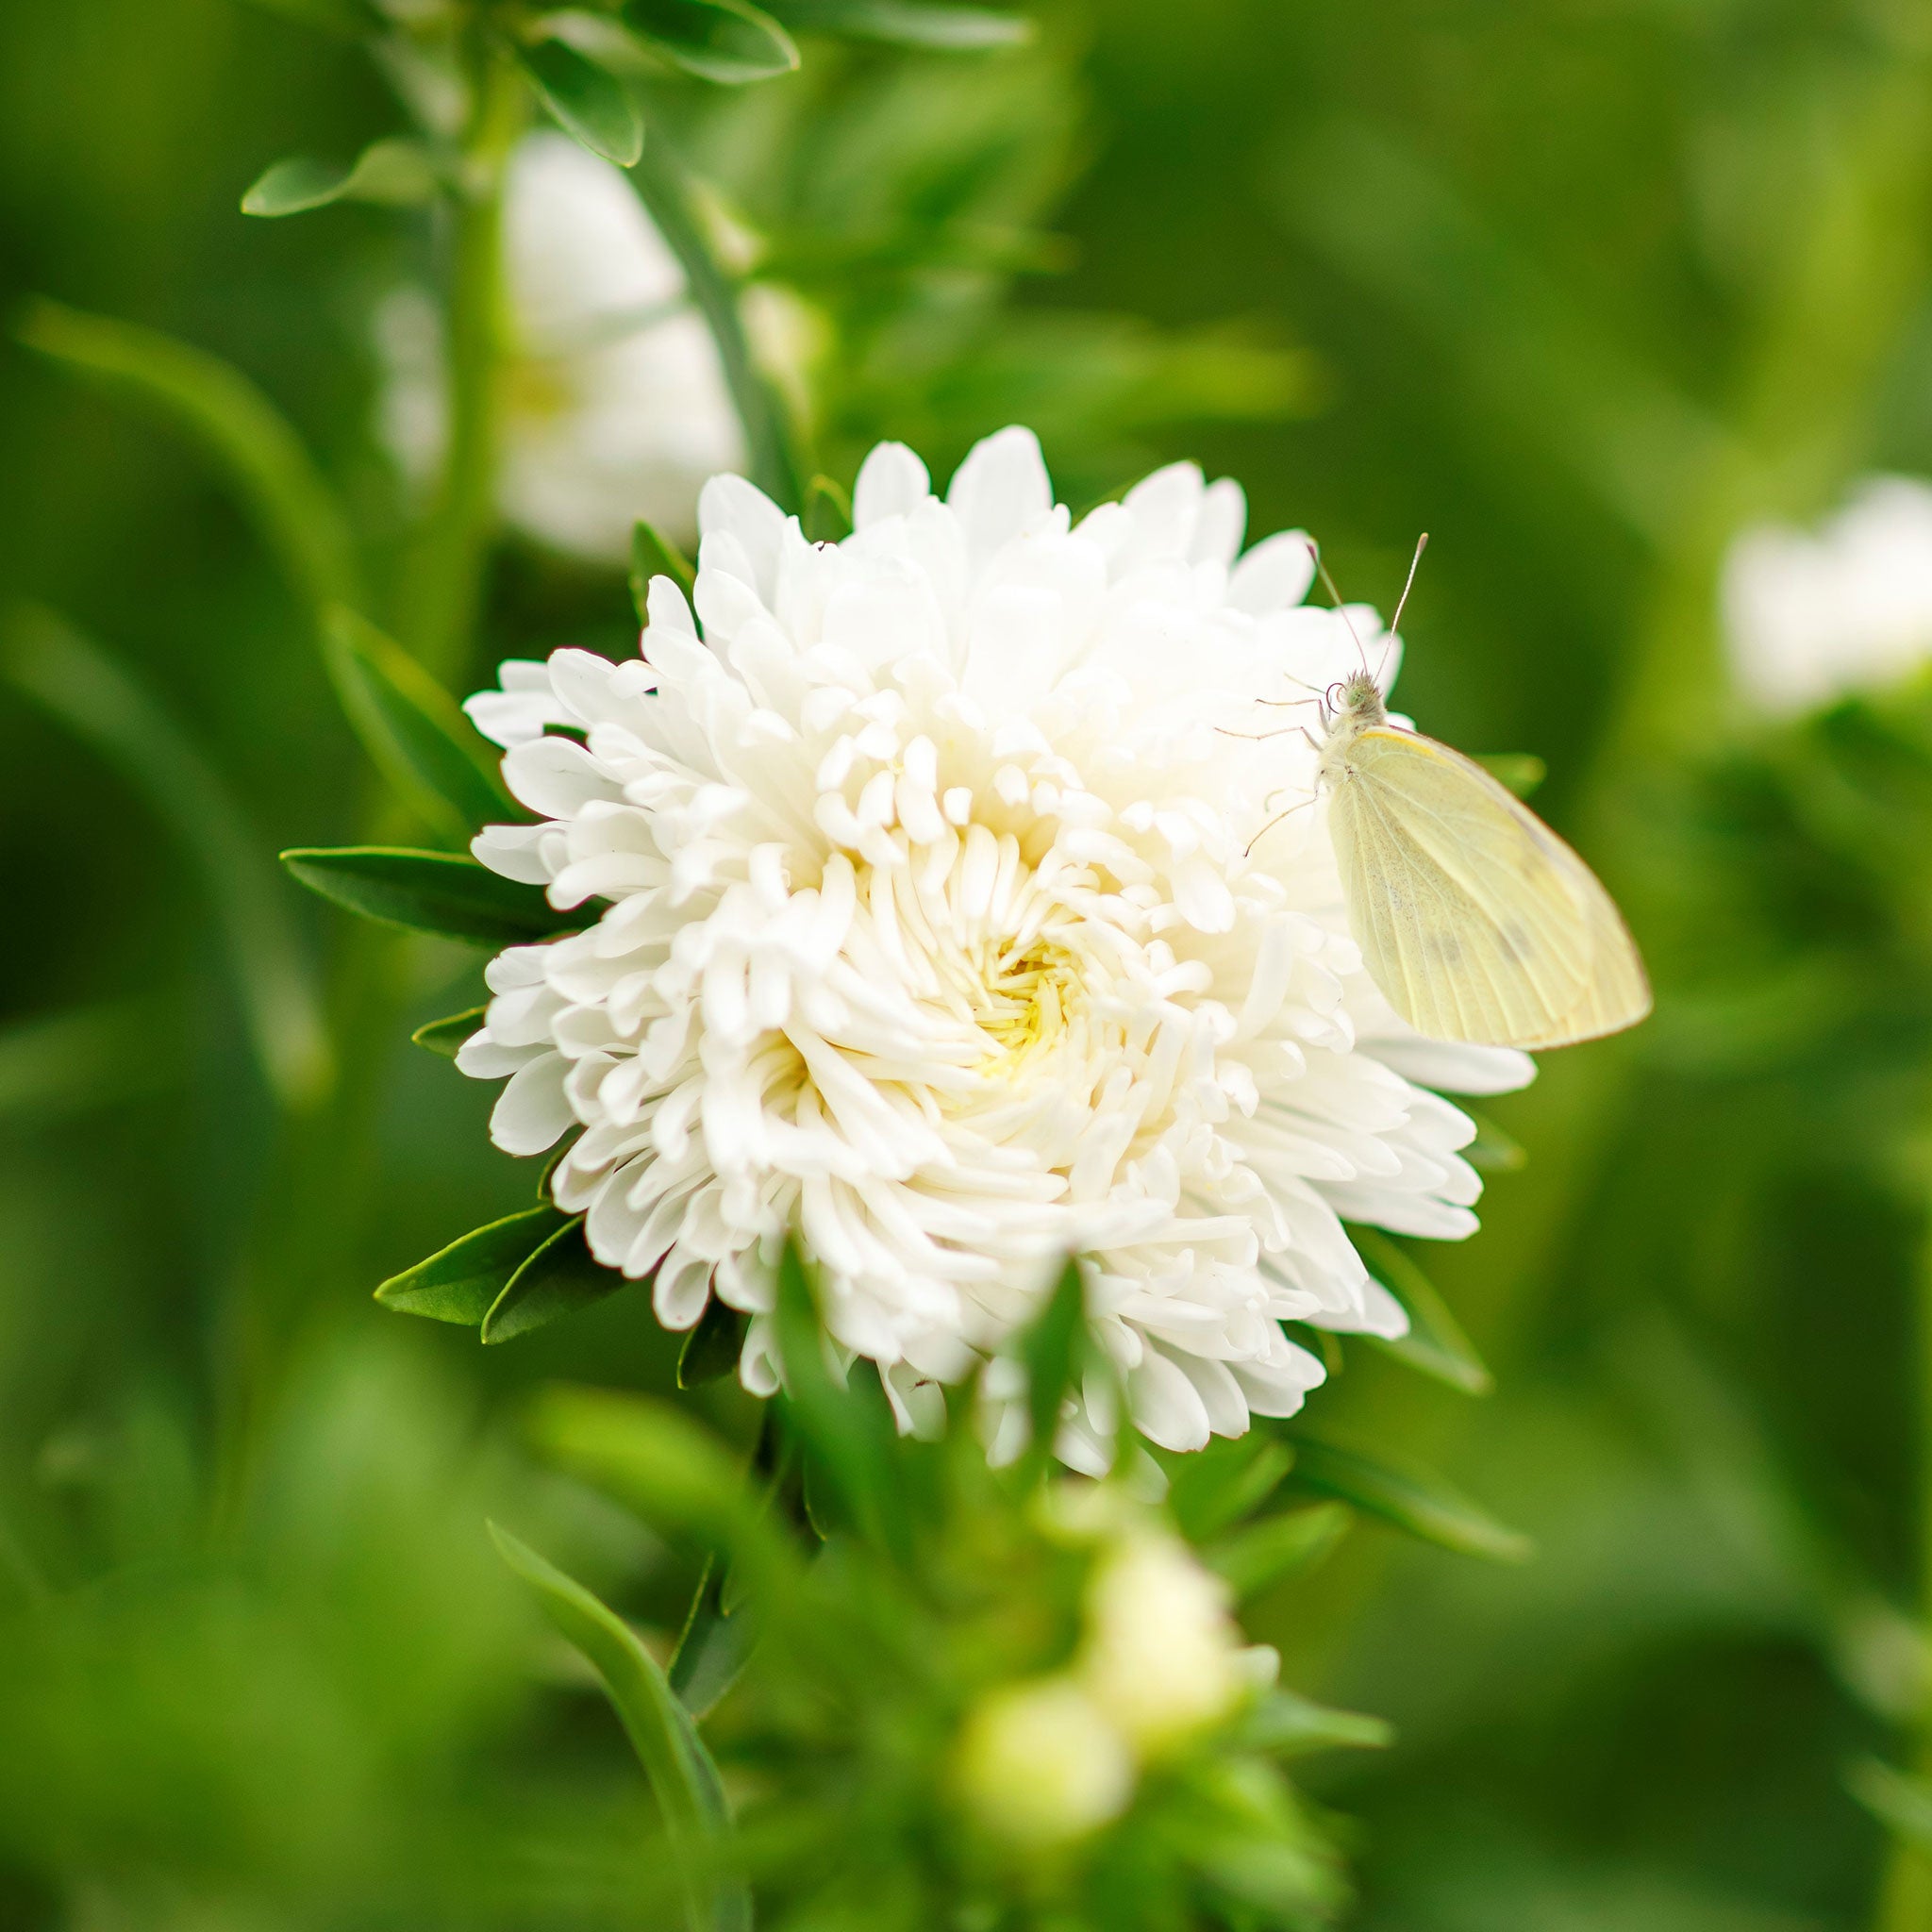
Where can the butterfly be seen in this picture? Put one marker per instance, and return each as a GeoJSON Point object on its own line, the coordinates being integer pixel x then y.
{"type": "Point", "coordinates": [1474, 920]}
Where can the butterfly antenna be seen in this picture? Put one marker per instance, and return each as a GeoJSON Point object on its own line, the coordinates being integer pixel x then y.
{"type": "Point", "coordinates": [1340, 609]}
{"type": "Point", "coordinates": [1422, 543]}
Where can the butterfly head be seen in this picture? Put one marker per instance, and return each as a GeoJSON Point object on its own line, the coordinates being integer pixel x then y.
{"type": "Point", "coordinates": [1356, 700]}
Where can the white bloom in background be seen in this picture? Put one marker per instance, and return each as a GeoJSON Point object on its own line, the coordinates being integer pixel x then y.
{"type": "Point", "coordinates": [1809, 617]}
{"type": "Point", "coordinates": [614, 406]}
{"type": "Point", "coordinates": [1163, 1657]}
{"type": "Point", "coordinates": [1040, 1763]}
{"type": "Point", "coordinates": [931, 927]}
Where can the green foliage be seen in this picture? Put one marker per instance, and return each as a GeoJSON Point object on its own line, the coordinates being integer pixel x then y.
{"type": "Point", "coordinates": [908, 22]}
{"type": "Point", "coordinates": [391, 173]}
{"type": "Point", "coordinates": [653, 555]}
{"type": "Point", "coordinates": [445, 1037]}
{"type": "Point", "coordinates": [1423, 1504]}
{"type": "Point", "coordinates": [590, 102]}
{"type": "Point", "coordinates": [1435, 1342]}
{"type": "Point", "coordinates": [711, 1349]}
{"type": "Point", "coordinates": [413, 730]}
{"type": "Point", "coordinates": [463, 1282]}
{"type": "Point", "coordinates": [685, 1782]}
{"type": "Point", "coordinates": [729, 41]}
{"type": "Point", "coordinates": [560, 1278]}
{"type": "Point", "coordinates": [429, 892]}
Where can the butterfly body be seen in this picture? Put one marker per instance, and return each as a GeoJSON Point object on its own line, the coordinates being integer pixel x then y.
{"type": "Point", "coordinates": [1476, 920]}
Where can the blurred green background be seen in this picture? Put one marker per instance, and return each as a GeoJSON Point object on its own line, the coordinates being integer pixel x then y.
{"type": "Point", "coordinates": [1579, 285]}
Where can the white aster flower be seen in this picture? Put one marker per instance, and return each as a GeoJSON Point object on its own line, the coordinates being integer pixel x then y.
{"type": "Point", "coordinates": [1810, 618]}
{"type": "Point", "coordinates": [614, 406]}
{"type": "Point", "coordinates": [930, 925]}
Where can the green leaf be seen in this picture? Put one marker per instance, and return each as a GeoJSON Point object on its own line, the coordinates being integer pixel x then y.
{"type": "Point", "coordinates": [1492, 1150]}
{"type": "Point", "coordinates": [900, 24]}
{"type": "Point", "coordinates": [1285, 1724]}
{"type": "Point", "coordinates": [711, 1349]}
{"type": "Point", "coordinates": [74, 679]}
{"type": "Point", "coordinates": [1414, 1500]}
{"type": "Point", "coordinates": [292, 507]}
{"type": "Point", "coordinates": [827, 510]}
{"type": "Point", "coordinates": [1522, 772]}
{"type": "Point", "coordinates": [715, 1644]}
{"type": "Point", "coordinates": [460, 1282]}
{"type": "Point", "coordinates": [558, 1279]}
{"type": "Point", "coordinates": [847, 1430]}
{"type": "Point", "coordinates": [429, 892]}
{"type": "Point", "coordinates": [1278, 1546]}
{"type": "Point", "coordinates": [392, 174]}
{"type": "Point", "coordinates": [445, 1037]}
{"type": "Point", "coordinates": [1435, 1344]}
{"type": "Point", "coordinates": [595, 106]}
{"type": "Point", "coordinates": [1052, 1351]}
{"type": "Point", "coordinates": [1902, 1805]}
{"type": "Point", "coordinates": [684, 1780]}
{"type": "Point", "coordinates": [730, 41]}
{"type": "Point", "coordinates": [654, 554]}
{"type": "Point", "coordinates": [349, 18]}
{"type": "Point", "coordinates": [413, 728]}
{"type": "Point", "coordinates": [1211, 1488]}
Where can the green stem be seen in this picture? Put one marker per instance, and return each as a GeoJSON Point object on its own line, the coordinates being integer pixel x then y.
{"type": "Point", "coordinates": [441, 587]}
{"type": "Point", "coordinates": [664, 189]}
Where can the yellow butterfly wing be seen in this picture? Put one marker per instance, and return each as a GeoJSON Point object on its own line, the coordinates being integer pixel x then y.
{"type": "Point", "coordinates": [1476, 920]}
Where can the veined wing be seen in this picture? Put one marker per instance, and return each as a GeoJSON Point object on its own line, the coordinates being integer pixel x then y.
{"type": "Point", "coordinates": [1474, 919]}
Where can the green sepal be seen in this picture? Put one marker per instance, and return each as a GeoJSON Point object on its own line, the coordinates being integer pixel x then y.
{"type": "Point", "coordinates": [459, 1283]}
{"type": "Point", "coordinates": [558, 1279]}
{"type": "Point", "coordinates": [1286, 1725]}
{"type": "Point", "coordinates": [711, 1349]}
{"type": "Point", "coordinates": [900, 24]}
{"type": "Point", "coordinates": [394, 173]}
{"type": "Point", "coordinates": [729, 41]}
{"type": "Point", "coordinates": [1435, 1344]}
{"type": "Point", "coordinates": [654, 554]}
{"type": "Point", "coordinates": [1520, 772]}
{"type": "Point", "coordinates": [684, 1779]}
{"type": "Point", "coordinates": [446, 1036]}
{"type": "Point", "coordinates": [827, 510]}
{"type": "Point", "coordinates": [413, 729]}
{"type": "Point", "coordinates": [430, 892]}
{"type": "Point", "coordinates": [594, 106]}
{"type": "Point", "coordinates": [1281, 1545]}
{"type": "Point", "coordinates": [1415, 1500]}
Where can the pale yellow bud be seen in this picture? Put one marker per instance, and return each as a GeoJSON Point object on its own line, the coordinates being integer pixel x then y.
{"type": "Point", "coordinates": [1039, 1764]}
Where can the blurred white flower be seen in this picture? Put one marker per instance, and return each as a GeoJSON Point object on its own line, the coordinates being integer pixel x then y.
{"type": "Point", "coordinates": [932, 927]}
{"type": "Point", "coordinates": [1163, 1657]}
{"type": "Point", "coordinates": [1810, 617]}
{"type": "Point", "coordinates": [1040, 1763]}
{"type": "Point", "coordinates": [612, 406]}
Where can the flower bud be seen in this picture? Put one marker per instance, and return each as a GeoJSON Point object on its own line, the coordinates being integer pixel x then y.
{"type": "Point", "coordinates": [1039, 1764]}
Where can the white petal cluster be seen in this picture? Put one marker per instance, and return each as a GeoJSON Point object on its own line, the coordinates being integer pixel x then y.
{"type": "Point", "coordinates": [928, 923]}
{"type": "Point", "coordinates": [1809, 617]}
{"type": "Point", "coordinates": [612, 405]}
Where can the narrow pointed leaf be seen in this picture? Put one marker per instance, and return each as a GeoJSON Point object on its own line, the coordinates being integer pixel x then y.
{"type": "Point", "coordinates": [1052, 1351]}
{"type": "Point", "coordinates": [1276, 1547]}
{"type": "Point", "coordinates": [654, 554]}
{"type": "Point", "coordinates": [414, 729]}
{"type": "Point", "coordinates": [1520, 771]}
{"type": "Point", "coordinates": [827, 510]}
{"type": "Point", "coordinates": [460, 1282]}
{"type": "Point", "coordinates": [1212, 1489]}
{"type": "Point", "coordinates": [595, 106]}
{"type": "Point", "coordinates": [429, 892]}
{"type": "Point", "coordinates": [905, 24]}
{"type": "Point", "coordinates": [683, 1777]}
{"type": "Point", "coordinates": [1285, 1726]}
{"type": "Point", "coordinates": [715, 1645]}
{"type": "Point", "coordinates": [446, 1036]}
{"type": "Point", "coordinates": [392, 174]}
{"type": "Point", "coordinates": [1414, 1500]}
{"type": "Point", "coordinates": [273, 472]}
{"type": "Point", "coordinates": [560, 1278]}
{"type": "Point", "coordinates": [73, 678]}
{"type": "Point", "coordinates": [846, 1429]}
{"type": "Point", "coordinates": [1492, 1150]}
{"type": "Point", "coordinates": [729, 41]}
{"type": "Point", "coordinates": [711, 1349]}
{"type": "Point", "coordinates": [1435, 1344]}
